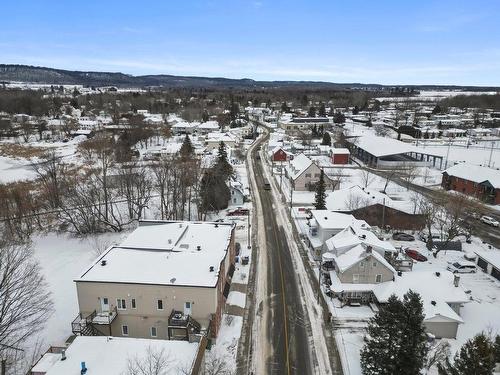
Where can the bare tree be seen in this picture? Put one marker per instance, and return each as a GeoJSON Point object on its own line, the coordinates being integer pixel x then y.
{"type": "Point", "coordinates": [50, 172]}
{"type": "Point", "coordinates": [409, 172]}
{"type": "Point", "coordinates": [437, 354]}
{"type": "Point", "coordinates": [216, 365]}
{"type": "Point", "coordinates": [380, 130]}
{"type": "Point", "coordinates": [366, 177]}
{"type": "Point", "coordinates": [154, 362]}
{"type": "Point", "coordinates": [25, 303]}
{"type": "Point", "coordinates": [135, 186]}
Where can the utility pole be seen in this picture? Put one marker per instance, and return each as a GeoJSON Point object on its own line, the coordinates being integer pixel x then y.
{"type": "Point", "coordinates": [491, 154]}
{"type": "Point", "coordinates": [319, 276]}
{"type": "Point", "coordinates": [248, 226]}
{"type": "Point", "coordinates": [447, 154]}
{"type": "Point", "coordinates": [383, 214]}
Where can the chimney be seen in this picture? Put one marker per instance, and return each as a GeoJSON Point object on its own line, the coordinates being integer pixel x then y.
{"type": "Point", "coordinates": [433, 303]}
{"type": "Point", "coordinates": [84, 368]}
{"type": "Point", "coordinates": [211, 268]}
{"type": "Point", "coordinates": [368, 249]}
{"type": "Point", "coordinates": [456, 280]}
{"type": "Point", "coordinates": [63, 355]}
{"type": "Point", "coordinates": [103, 262]}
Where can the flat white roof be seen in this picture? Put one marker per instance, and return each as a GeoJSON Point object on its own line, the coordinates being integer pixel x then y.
{"type": "Point", "coordinates": [111, 355]}
{"type": "Point", "coordinates": [382, 146]}
{"type": "Point", "coordinates": [165, 254]}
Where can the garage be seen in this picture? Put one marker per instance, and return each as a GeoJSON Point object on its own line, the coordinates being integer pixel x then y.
{"type": "Point", "coordinates": [482, 264]}
{"type": "Point", "coordinates": [495, 273]}
{"type": "Point", "coordinates": [489, 261]}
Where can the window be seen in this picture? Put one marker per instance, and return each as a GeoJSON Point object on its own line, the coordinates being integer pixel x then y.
{"type": "Point", "coordinates": [317, 175]}
{"type": "Point", "coordinates": [159, 304]}
{"type": "Point", "coordinates": [120, 304]}
{"type": "Point", "coordinates": [153, 331]}
{"type": "Point", "coordinates": [361, 264]}
{"type": "Point", "coordinates": [125, 330]}
{"type": "Point", "coordinates": [374, 264]}
{"type": "Point", "coordinates": [355, 278]}
{"type": "Point", "coordinates": [378, 278]}
{"type": "Point", "coordinates": [308, 175]}
{"type": "Point", "coordinates": [132, 303]}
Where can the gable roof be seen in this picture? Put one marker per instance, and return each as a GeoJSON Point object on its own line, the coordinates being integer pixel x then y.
{"type": "Point", "coordinates": [475, 173]}
{"type": "Point", "coordinates": [298, 165]}
{"type": "Point", "coordinates": [357, 254]}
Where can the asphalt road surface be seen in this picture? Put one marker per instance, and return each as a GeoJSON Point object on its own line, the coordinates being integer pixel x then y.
{"type": "Point", "coordinates": [285, 330]}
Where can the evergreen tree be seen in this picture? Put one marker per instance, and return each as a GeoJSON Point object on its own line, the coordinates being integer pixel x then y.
{"type": "Point", "coordinates": [339, 118]}
{"type": "Point", "coordinates": [396, 342]}
{"type": "Point", "coordinates": [327, 140]}
{"type": "Point", "coordinates": [436, 110]}
{"type": "Point", "coordinates": [187, 149]}
{"type": "Point", "coordinates": [355, 110]}
{"type": "Point", "coordinates": [414, 346]}
{"type": "Point", "coordinates": [320, 197]}
{"type": "Point", "coordinates": [477, 356]}
{"type": "Point", "coordinates": [223, 169]}
{"type": "Point", "coordinates": [312, 112]}
{"type": "Point", "coordinates": [284, 107]}
{"type": "Point", "coordinates": [214, 192]}
{"type": "Point", "coordinates": [497, 349]}
{"type": "Point", "coordinates": [322, 110]}
{"type": "Point", "coordinates": [382, 342]}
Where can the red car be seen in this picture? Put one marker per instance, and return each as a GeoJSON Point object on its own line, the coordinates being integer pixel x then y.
{"type": "Point", "coordinates": [414, 254]}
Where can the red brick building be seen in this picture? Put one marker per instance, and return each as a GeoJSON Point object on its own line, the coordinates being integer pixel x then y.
{"type": "Point", "coordinates": [480, 182]}
{"type": "Point", "coordinates": [339, 155]}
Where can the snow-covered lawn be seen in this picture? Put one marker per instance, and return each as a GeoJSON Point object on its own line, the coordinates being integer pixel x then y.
{"type": "Point", "coordinates": [227, 341]}
{"type": "Point", "coordinates": [62, 258]}
{"type": "Point", "coordinates": [15, 170]}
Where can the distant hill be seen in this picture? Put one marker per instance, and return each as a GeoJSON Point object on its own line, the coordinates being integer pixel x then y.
{"type": "Point", "coordinates": [35, 74]}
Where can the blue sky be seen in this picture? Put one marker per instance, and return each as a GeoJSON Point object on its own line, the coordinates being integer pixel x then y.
{"type": "Point", "coordinates": [390, 42]}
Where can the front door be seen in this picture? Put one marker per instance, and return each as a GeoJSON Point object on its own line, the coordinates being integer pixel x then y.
{"type": "Point", "coordinates": [104, 304]}
{"type": "Point", "coordinates": [187, 308]}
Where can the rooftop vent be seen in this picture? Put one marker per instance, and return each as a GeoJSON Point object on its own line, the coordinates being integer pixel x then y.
{"type": "Point", "coordinates": [368, 249]}
{"type": "Point", "coordinates": [326, 218]}
{"type": "Point", "coordinates": [103, 262]}
{"type": "Point", "coordinates": [169, 241]}
{"type": "Point", "coordinates": [216, 225]}
{"type": "Point", "coordinates": [180, 225]}
{"type": "Point", "coordinates": [198, 248]}
{"type": "Point", "coordinates": [438, 274]}
{"type": "Point", "coordinates": [63, 355]}
{"type": "Point", "coordinates": [433, 303]}
{"type": "Point", "coordinates": [172, 280]}
{"type": "Point", "coordinates": [212, 268]}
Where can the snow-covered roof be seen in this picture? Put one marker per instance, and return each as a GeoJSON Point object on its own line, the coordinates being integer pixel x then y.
{"type": "Point", "coordinates": [431, 288]}
{"type": "Point", "coordinates": [352, 236]}
{"type": "Point", "coordinates": [165, 253]}
{"type": "Point", "coordinates": [339, 151]}
{"type": "Point", "coordinates": [209, 125]}
{"type": "Point", "coordinates": [355, 197]}
{"type": "Point", "coordinates": [110, 355]}
{"type": "Point", "coordinates": [382, 146]}
{"type": "Point", "coordinates": [298, 165]}
{"type": "Point", "coordinates": [491, 256]}
{"type": "Point", "coordinates": [335, 220]}
{"type": "Point", "coordinates": [355, 255]}
{"type": "Point", "coordinates": [475, 173]}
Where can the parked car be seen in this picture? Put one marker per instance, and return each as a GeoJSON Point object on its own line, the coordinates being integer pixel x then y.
{"type": "Point", "coordinates": [414, 254]}
{"type": "Point", "coordinates": [239, 212]}
{"type": "Point", "coordinates": [400, 236]}
{"type": "Point", "coordinates": [423, 236]}
{"type": "Point", "coordinates": [462, 266]}
{"type": "Point", "coordinates": [490, 221]}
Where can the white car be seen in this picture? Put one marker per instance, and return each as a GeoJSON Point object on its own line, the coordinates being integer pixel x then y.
{"type": "Point", "coordinates": [461, 266]}
{"type": "Point", "coordinates": [490, 221]}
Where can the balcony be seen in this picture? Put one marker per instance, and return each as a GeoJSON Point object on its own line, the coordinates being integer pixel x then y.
{"type": "Point", "coordinates": [180, 326]}
{"type": "Point", "coordinates": [94, 324]}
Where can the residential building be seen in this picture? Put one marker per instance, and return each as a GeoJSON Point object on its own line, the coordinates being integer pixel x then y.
{"type": "Point", "coordinates": [303, 174]}
{"type": "Point", "coordinates": [441, 294]}
{"type": "Point", "coordinates": [170, 278]}
{"type": "Point", "coordinates": [237, 195]}
{"type": "Point", "coordinates": [480, 182]}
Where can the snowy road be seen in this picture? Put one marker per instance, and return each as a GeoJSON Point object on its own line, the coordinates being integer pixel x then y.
{"type": "Point", "coordinates": [288, 330]}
